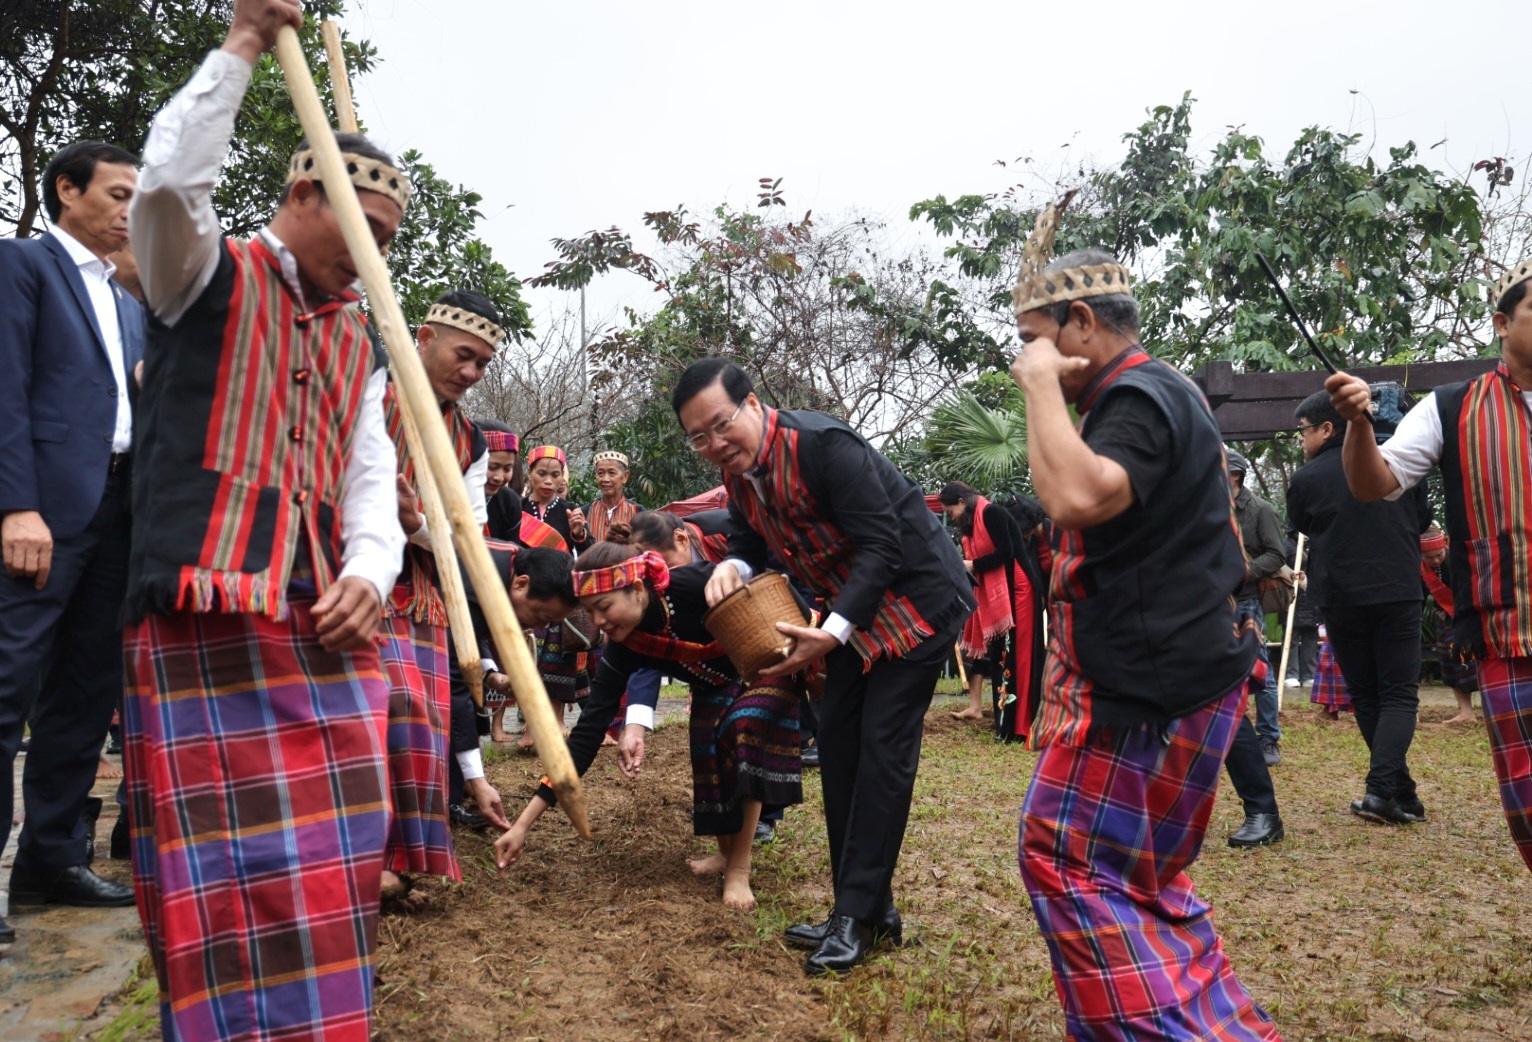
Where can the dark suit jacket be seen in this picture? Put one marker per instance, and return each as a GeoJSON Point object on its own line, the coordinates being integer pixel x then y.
{"type": "Point", "coordinates": [58, 398]}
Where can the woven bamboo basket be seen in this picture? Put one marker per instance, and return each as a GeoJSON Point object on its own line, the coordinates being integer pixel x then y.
{"type": "Point", "coordinates": [744, 623]}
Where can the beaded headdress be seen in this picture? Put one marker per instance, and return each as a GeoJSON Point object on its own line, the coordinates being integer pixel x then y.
{"type": "Point", "coordinates": [1519, 273]}
{"type": "Point", "coordinates": [368, 173]}
{"type": "Point", "coordinates": [1036, 288]}
{"type": "Point", "coordinates": [611, 456]}
{"type": "Point", "coordinates": [468, 321]}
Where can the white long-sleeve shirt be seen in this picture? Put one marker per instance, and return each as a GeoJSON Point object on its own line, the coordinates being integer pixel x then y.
{"type": "Point", "coordinates": [176, 239]}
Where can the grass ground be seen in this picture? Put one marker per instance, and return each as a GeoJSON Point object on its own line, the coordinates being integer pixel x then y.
{"type": "Point", "coordinates": [1345, 932]}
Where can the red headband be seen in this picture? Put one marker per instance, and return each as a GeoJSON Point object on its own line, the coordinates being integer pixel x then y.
{"type": "Point", "coordinates": [646, 567]}
{"type": "Point", "coordinates": [547, 452]}
{"type": "Point", "coordinates": [501, 441]}
{"type": "Point", "coordinates": [1433, 541]}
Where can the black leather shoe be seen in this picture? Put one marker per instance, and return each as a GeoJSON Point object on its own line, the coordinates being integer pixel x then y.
{"type": "Point", "coordinates": [90, 814]}
{"type": "Point", "coordinates": [765, 832]}
{"type": "Point", "coordinates": [465, 818]}
{"type": "Point", "coordinates": [811, 755]}
{"type": "Point", "coordinates": [7, 932]}
{"type": "Point", "coordinates": [1412, 810]}
{"type": "Point", "coordinates": [122, 839]}
{"type": "Point", "coordinates": [114, 746]}
{"type": "Point", "coordinates": [812, 935]}
{"type": "Point", "coordinates": [76, 885]}
{"type": "Point", "coordinates": [846, 943]}
{"type": "Point", "coordinates": [1379, 809]}
{"type": "Point", "coordinates": [1270, 752]}
{"type": "Point", "coordinates": [1259, 830]}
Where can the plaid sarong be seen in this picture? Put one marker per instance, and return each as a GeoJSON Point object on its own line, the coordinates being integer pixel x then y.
{"type": "Point", "coordinates": [1329, 688]}
{"type": "Point", "coordinates": [414, 656]}
{"type": "Point", "coordinates": [1505, 686]}
{"type": "Point", "coordinates": [259, 804]}
{"type": "Point", "coordinates": [744, 745]}
{"type": "Point", "coordinates": [1107, 833]}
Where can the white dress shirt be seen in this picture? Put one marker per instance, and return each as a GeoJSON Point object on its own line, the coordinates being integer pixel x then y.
{"type": "Point", "coordinates": [176, 239]}
{"type": "Point", "coordinates": [473, 480]}
{"type": "Point", "coordinates": [97, 275]}
{"type": "Point", "coordinates": [1417, 444]}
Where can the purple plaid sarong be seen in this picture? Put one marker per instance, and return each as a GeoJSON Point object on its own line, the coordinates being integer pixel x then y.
{"type": "Point", "coordinates": [1329, 689]}
{"type": "Point", "coordinates": [259, 805]}
{"type": "Point", "coordinates": [1107, 833]}
{"type": "Point", "coordinates": [414, 656]}
{"type": "Point", "coordinates": [1505, 686]}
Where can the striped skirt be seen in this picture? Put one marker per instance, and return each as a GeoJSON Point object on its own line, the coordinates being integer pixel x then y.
{"type": "Point", "coordinates": [1505, 686]}
{"type": "Point", "coordinates": [744, 745]}
{"type": "Point", "coordinates": [414, 656]}
{"type": "Point", "coordinates": [1107, 834]}
{"type": "Point", "coordinates": [259, 804]}
{"type": "Point", "coordinates": [1329, 688]}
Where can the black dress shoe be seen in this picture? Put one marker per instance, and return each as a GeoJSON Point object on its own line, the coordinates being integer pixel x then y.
{"type": "Point", "coordinates": [1270, 753]}
{"type": "Point", "coordinates": [846, 943]}
{"type": "Point", "coordinates": [465, 818]}
{"type": "Point", "coordinates": [1412, 810]}
{"type": "Point", "coordinates": [765, 832]}
{"type": "Point", "coordinates": [114, 746]}
{"type": "Point", "coordinates": [76, 885]}
{"type": "Point", "coordinates": [812, 935]}
{"type": "Point", "coordinates": [811, 755]}
{"type": "Point", "coordinates": [90, 814]}
{"type": "Point", "coordinates": [1380, 809]}
{"type": "Point", "coordinates": [7, 932]}
{"type": "Point", "coordinates": [1259, 830]}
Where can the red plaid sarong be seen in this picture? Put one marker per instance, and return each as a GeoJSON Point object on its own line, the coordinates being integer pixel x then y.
{"type": "Point", "coordinates": [1505, 686]}
{"type": "Point", "coordinates": [1107, 833]}
{"type": "Point", "coordinates": [1329, 688]}
{"type": "Point", "coordinates": [414, 656]}
{"type": "Point", "coordinates": [259, 804]}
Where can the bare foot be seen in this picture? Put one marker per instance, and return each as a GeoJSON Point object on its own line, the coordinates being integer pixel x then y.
{"type": "Point", "coordinates": [967, 714]}
{"type": "Point", "coordinates": [736, 890]}
{"type": "Point", "coordinates": [107, 769]}
{"type": "Point", "coordinates": [712, 865]}
{"type": "Point", "coordinates": [525, 743]}
{"type": "Point", "coordinates": [501, 736]}
{"type": "Point", "coordinates": [394, 888]}
{"type": "Point", "coordinates": [607, 740]}
{"type": "Point", "coordinates": [1461, 718]}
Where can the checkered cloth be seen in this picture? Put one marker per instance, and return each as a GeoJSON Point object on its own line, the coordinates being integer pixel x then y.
{"type": "Point", "coordinates": [414, 656]}
{"type": "Point", "coordinates": [744, 745]}
{"type": "Point", "coordinates": [645, 567]}
{"type": "Point", "coordinates": [1107, 833]}
{"type": "Point", "coordinates": [1329, 688]}
{"type": "Point", "coordinates": [259, 803]}
{"type": "Point", "coordinates": [1505, 686]}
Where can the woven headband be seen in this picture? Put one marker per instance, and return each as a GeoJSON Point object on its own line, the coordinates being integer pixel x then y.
{"type": "Point", "coordinates": [547, 452]}
{"type": "Point", "coordinates": [469, 322]}
{"type": "Point", "coordinates": [1433, 541]}
{"type": "Point", "coordinates": [1519, 274]}
{"type": "Point", "coordinates": [501, 441]}
{"type": "Point", "coordinates": [1036, 288]}
{"type": "Point", "coordinates": [646, 567]}
{"type": "Point", "coordinates": [368, 173]}
{"type": "Point", "coordinates": [610, 457]}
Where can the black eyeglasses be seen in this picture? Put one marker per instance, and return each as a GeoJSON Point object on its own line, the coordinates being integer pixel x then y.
{"type": "Point", "coordinates": [1304, 428]}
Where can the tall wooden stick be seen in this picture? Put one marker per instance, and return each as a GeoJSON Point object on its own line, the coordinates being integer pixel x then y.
{"type": "Point", "coordinates": [1287, 632]}
{"type": "Point", "coordinates": [417, 398]}
{"type": "Point", "coordinates": [459, 618]}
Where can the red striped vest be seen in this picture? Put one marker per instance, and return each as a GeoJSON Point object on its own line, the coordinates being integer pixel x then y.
{"type": "Point", "coordinates": [1487, 481]}
{"type": "Point", "coordinates": [814, 549]}
{"type": "Point", "coordinates": [242, 435]}
{"type": "Point", "coordinates": [417, 593]}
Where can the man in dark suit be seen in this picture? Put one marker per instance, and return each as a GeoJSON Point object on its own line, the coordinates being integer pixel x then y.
{"type": "Point", "coordinates": [69, 340]}
{"type": "Point", "coordinates": [806, 488]}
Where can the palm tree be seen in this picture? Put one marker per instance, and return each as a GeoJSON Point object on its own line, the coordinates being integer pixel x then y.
{"type": "Point", "coordinates": [984, 447]}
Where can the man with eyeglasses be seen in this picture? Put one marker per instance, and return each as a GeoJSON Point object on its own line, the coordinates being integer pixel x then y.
{"type": "Point", "coordinates": [810, 490]}
{"type": "Point", "coordinates": [1364, 576]}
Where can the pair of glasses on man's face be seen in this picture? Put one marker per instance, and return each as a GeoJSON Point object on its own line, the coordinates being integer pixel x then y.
{"type": "Point", "coordinates": [1304, 428]}
{"type": "Point", "coordinates": [702, 439]}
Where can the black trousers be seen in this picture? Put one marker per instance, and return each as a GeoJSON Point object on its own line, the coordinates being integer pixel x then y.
{"type": "Point", "coordinates": [1248, 771]}
{"type": "Point", "coordinates": [1377, 647]}
{"type": "Point", "coordinates": [870, 727]}
{"type": "Point", "coordinates": [1305, 653]}
{"type": "Point", "coordinates": [61, 671]}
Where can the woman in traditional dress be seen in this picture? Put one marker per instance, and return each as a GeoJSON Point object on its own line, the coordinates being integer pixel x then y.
{"type": "Point", "coordinates": [744, 737]}
{"type": "Point", "coordinates": [1459, 671]}
{"type": "Point", "coordinates": [1004, 633]}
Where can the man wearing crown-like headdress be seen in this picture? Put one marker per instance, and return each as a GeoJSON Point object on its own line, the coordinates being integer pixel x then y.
{"type": "Point", "coordinates": [265, 541]}
{"type": "Point", "coordinates": [612, 507]}
{"type": "Point", "coordinates": [1480, 433]}
{"type": "Point", "coordinates": [1147, 679]}
{"type": "Point", "coordinates": [458, 340]}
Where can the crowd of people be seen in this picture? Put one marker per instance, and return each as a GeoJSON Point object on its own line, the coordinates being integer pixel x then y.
{"type": "Point", "coordinates": [212, 526]}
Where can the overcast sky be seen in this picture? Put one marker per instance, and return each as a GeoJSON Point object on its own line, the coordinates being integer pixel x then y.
{"type": "Point", "coordinates": [573, 116]}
